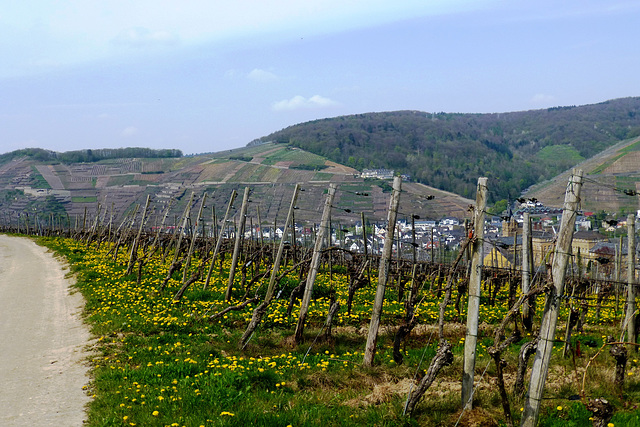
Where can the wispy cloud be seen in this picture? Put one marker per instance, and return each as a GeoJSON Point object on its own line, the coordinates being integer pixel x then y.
{"type": "Point", "coordinates": [143, 37]}
{"type": "Point", "coordinates": [300, 102]}
{"type": "Point", "coordinates": [257, 75]}
{"type": "Point", "coordinates": [261, 76]}
{"type": "Point", "coordinates": [129, 131]}
{"type": "Point", "coordinates": [542, 99]}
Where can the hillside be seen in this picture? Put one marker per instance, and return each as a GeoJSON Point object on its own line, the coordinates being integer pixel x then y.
{"type": "Point", "coordinates": [450, 151]}
{"type": "Point", "coordinates": [610, 179]}
{"type": "Point", "coordinates": [35, 185]}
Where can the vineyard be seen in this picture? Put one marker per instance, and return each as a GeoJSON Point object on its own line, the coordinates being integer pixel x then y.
{"type": "Point", "coordinates": [213, 328]}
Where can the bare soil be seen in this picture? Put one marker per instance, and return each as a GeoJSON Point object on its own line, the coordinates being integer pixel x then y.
{"type": "Point", "coordinates": [42, 339]}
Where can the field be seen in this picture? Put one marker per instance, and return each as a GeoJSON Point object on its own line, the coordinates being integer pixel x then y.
{"type": "Point", "coordinates": [161, 362]}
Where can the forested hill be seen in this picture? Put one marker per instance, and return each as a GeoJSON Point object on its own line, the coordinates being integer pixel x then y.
{"type": "Point", "coordinates": [89, 156]}
{"type": "Point", "coordinates": [450, 151]}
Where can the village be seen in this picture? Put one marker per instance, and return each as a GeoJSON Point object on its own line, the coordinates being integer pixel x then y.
{"type": "Point", "coordinates": [596, 242]}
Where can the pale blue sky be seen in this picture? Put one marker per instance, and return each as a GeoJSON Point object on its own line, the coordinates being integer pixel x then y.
{"type": "Point", "coordinates": [213, 75]}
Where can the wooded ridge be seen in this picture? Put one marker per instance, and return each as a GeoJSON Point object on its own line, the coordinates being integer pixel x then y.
{"type": "Point", "coordinates": [450, 151]}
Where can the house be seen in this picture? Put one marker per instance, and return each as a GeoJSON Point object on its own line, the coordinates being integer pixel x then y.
{"type": "Point", "coordinates": [584, 241]}
{"type": "Point", "coordinates": [583, 223]}
{"type": "Point", "coordinates": [377, 173]}
{"type": "Point", "coordinates": [425, 225]}
{"type": "Point", "coordinates": [449, 221]}
{"type": "Point", "coordinates": [542, 243]}
{"type": "Point", "coordinates": [498, 258]}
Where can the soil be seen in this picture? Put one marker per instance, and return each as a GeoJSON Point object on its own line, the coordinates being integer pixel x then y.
{"type": "Point", "coordinates": [42, 339]}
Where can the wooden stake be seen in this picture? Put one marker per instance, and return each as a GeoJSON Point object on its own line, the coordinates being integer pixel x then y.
{"type": "Point", "coordinates": [630, 317]}
{"type": "Point", "coordinates": [219, 240]}
{"type": "Point", "coordinates": [473, 310]}
{"type": "Point", "coordinates": [236, 248]}
{"type": "Point", "coordinates": [526, 270]}
{"type": "Point", "coordinates": [617, 271]}
{"type": "Point", "coordinates": [134, 246]}
{"type": "Point", "coordinates": [262, 308]}
{"type": "Point", "coordinates": [174, 263]}
{"type": "Point", "coordinates": [187, 262]}
{"type": "Point", "coordinates": [552, 306]}
{"type": "Point", "coordinates": [315, 263]}
{"type": "Point", "coordinates": [383, 273]}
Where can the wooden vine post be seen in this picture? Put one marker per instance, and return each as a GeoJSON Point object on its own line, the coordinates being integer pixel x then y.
{"type": "Point", "coordinates": [262, 308]}
{"type": "Point", "coordinates": [383, 273]}
{"type": "Point", "coordinates": [238, 242]}
{"type": "Point", "coordinates": [473, 310]}
{"type": "Point", "coordinates": [630, 317]}
{"type": "Point", "coordinates": [181, 230]}
{"type": "Point", "coordinates": [618, 270]}
{"type": "Point", "coordinates": [187, 262]}
{"type": "Point", "coordinates": [134, 247]}
{"type": "Point", "coordinates": [526, 270]}
{"type": "Point", "coordinates": [219, 240]}
{"type": "Point", "coordinates": [542, 359]}
{"type": "Point", "coordinates": [315, 262]}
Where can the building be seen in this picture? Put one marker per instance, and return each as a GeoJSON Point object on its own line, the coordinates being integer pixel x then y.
{"type": "Point", "coordinates": [377, 173]}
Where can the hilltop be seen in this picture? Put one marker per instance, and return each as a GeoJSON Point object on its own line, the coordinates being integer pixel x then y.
{"type": "Point", "coordinates": [34, 182]}
{"type": "Point", "coordinates": [443, 154]}
{"type": "Point", "coordinates": [450, 151]}
{"type": "Point", "coordinates": [610, 180]}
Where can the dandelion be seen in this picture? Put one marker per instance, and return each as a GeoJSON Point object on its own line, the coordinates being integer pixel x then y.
{"type": "Point", "coordinates": [559, 408]}
{"type": "Point", "coordinates": [223, 413]}
{"type": "Point", "coordinates": [155, 413]}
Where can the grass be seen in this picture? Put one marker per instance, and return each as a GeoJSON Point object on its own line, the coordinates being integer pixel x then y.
{"type": "Point", "coordinates": [622, 152]}
{"type": "Point", "coordinates": [129, 179]}
{"type": "Point", "coordinates": [162, 363]}
{"type": "Point", "coordinates": [322, 176]}
{"type": "Point", "coordinates": [297, 156]}
{"type": "Point", "coordinates": [600, 168]}
{"type": "Point", "coordinates": [560, 157]}
{"type": "Point", "coordinates": [37, 180]}
{"type": "Point", "coordinates": [84, 199]}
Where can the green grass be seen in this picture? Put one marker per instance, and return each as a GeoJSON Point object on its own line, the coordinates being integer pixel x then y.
{"type": "Point", "coordinates": [297, 156]}
{"type": "Point", "coordinates": [38, 180]}
{"type": "Point", "coordinates": [560, 157]}
{"type": "Point", "coordinates": [159, 363]}
{"type": "Point", "coordinates": [605, 165]}
{"type": "Point", "coordinates": [322, 176]}
{"type": "Point", "coordinates": [632, 147]}
{"type": "Point", "coordinates": [85, 199]}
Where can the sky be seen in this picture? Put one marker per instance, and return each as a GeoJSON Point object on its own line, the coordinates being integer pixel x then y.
{"type": "Point", "coordinates": [212, 75]}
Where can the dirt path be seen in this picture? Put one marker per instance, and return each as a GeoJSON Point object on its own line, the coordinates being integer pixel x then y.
{"type": "Point", "coordinates": [41, 340]}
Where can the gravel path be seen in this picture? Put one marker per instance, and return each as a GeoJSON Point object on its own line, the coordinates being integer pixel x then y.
{"type": "Point", "coordinates": [42, 339]}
